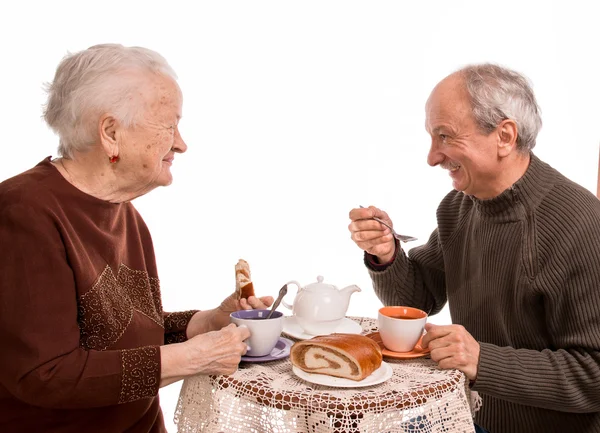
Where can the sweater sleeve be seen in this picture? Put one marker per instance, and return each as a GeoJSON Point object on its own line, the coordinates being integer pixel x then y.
{"type": "Point", "coordinates": [42, 362]}
{"type": "Point", "coordinates": [176, 325]}
{"type": "Point", "coordinates": [416, 280]}
{"type": "Point", "coordinates": [565, 376]}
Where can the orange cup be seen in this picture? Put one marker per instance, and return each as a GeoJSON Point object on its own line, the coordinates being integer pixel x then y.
{"type": "Point", "coordinates": [401, 327]}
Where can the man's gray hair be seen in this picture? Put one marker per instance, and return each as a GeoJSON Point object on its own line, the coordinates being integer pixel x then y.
{"type": "Point", "coordinates": [101, 79]}
{"type": "Point", "coordinates": [498, 94]}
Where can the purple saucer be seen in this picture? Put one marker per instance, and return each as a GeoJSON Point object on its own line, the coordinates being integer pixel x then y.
{"type": "Point", "coordinates": [280, 351]}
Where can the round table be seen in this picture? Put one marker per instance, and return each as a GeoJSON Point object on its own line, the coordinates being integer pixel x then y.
{"type": "Point", "coordinates": [269, 397]}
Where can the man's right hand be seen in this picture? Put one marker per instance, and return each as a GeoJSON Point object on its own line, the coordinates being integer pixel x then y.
{"type": "Point", "coordinates": [370, 235]}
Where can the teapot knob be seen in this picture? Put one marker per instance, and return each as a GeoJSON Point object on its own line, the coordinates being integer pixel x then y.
{"type": "Point", "coordinates": [319, 279]}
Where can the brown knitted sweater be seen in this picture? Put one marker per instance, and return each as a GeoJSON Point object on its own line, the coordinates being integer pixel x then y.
{"type": "Point", "coordinates": [81, 318]}
{"type": "Point", "coordinates": [521, 272]}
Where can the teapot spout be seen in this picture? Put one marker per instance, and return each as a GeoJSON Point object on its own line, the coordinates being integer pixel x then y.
{"type": "Point", "coordinates": [345, 294]}
{"type": "Point", "coordinates": [350, 289]}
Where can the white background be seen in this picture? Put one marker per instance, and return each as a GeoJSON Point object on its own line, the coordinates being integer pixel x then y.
{"type": "Point", "coordinates": [296, 112]}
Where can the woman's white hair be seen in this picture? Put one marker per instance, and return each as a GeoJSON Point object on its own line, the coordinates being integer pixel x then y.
{"type": "Point", "coordinates": [498, 94]}
{"type": "Point", "coordinates": [101, 79]}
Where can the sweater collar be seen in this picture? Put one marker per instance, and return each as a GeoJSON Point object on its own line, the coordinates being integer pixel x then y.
{"type": "Point", "coordinates": [529, 190]}
{"type": "Point", "coordinates": [68, 187]}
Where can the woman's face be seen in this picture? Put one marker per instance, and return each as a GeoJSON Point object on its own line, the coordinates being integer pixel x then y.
{"type": "Point", "coordinates": [147, 149]}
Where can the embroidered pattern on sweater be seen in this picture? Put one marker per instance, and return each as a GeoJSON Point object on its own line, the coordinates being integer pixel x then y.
{"type": "Point", "coordinates": [140, 373]}
{"type": "Point", "coordinates": [143, 291]}
{"type": "Point", "coordinates": [105, 312]}
{"type": "Point", "coordinates": [175, 322]}
{"type": "Point", "coordinates": [175, 337]}
{"type": "Point", "coordinates": [175, 325]}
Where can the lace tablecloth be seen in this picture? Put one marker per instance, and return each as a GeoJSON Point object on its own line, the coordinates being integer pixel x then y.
{"type": "Point", "coordinates": [270, 398]}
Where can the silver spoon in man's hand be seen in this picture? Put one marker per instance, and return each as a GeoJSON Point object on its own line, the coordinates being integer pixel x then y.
{"type": "Point", "coordinates": [401, 238]}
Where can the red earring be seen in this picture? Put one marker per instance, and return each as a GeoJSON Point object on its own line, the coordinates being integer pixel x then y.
{"type": "Point", "coordinates": [113, 159]}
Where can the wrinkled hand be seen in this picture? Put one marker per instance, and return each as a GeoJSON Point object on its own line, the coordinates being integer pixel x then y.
{"type": "Point", "coordinates": [232, 303]}
{"type": "Point", "coordinates": [215, 319]}
{"type": "Point", "coordinates": [216, 352]}
{"type": "Point", "coordinates": [453, 347]}
{"type": "Point", "coordinates": [370, 235]}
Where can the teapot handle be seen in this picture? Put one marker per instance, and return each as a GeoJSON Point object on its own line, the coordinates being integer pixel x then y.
{"type": "Point", "coordinates": [285, 304]}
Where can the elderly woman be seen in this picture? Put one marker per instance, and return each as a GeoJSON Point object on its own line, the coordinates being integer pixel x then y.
{"type": "Point", "coordinates": [85, 342]}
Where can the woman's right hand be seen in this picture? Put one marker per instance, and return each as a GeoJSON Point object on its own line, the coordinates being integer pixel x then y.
{"type": "Point", "coordinates": [217, 352]}
{"type": "Point", "coordinates": [214, 352]}
{"type": "Point", "coordinates": [370, 235]}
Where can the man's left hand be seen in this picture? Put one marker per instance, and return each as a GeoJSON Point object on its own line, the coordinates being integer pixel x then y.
{"type": "Point", "coordinates": [452, 347]}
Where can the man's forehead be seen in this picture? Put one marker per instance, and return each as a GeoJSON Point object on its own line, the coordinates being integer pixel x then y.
{"type": "Point", "coordinates": [448, 100]}
{"type": "Point", "coordinates": [450, 88]}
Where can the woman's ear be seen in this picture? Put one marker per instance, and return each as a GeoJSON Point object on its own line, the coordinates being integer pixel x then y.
{"type": "Point", "coordinates": [507, 137]}
{"type": "Point", "coordinates": [108, 130]}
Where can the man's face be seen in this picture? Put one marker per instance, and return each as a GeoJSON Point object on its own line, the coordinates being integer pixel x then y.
{"type": "Point", "coordinates": [457, 144]}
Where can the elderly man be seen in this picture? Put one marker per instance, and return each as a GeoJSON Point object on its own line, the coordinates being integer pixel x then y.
{"type": "Point", "coordinates": [516, 254]}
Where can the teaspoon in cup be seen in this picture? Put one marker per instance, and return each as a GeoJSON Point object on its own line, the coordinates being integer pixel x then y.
{"type": "Point", "coordinates": [282, 293]}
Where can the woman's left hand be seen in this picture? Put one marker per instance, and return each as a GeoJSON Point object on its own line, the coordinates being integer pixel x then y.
{"type": "Point", "coordinates": [232, 303]}
{"type": "Point", "coordinates": [214, 320]}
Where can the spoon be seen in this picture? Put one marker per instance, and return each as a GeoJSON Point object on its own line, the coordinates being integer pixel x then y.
{"type": "Point", "coordinates": [282, 293]}
{"type": "Point", "coordinates": [402, 238]}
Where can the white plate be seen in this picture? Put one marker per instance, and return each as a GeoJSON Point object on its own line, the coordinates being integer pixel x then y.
{"type": "Point", "coordinates": [383, 373]}
{"type": "Point", "coordinates": [291, 328]}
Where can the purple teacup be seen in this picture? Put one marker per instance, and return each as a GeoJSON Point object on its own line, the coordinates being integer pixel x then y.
{"type": "Point", "coordinates": [264, 333]}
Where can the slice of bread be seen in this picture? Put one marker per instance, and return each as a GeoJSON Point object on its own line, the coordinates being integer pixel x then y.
{"type": "Point", "coordinates": [349, 356]}
{"type": "Point", "coordinates": [243, 280]}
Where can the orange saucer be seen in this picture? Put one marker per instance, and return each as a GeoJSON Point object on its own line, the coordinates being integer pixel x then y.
{"type": "Point", "coordinates": [417, 352]}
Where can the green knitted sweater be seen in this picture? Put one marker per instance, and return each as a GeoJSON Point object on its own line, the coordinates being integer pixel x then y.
{"type": "Point", "coordinates": [521, 272]}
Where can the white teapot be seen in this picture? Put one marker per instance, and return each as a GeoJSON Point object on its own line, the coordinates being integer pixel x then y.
{"type": "Point", "coordinates": [319, 308]}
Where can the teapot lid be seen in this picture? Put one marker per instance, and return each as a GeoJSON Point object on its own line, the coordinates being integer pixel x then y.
{"type": "Point", "coordinates": [319, 285]}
